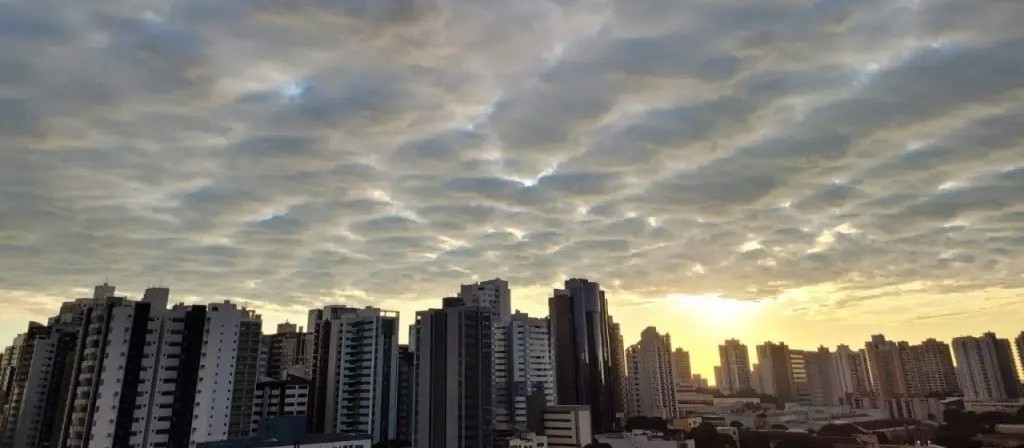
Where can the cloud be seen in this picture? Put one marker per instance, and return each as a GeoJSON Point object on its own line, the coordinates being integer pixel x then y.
{"type": "Point", "coordinates": [384, 151]}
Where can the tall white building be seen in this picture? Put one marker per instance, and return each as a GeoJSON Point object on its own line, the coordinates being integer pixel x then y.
{"type": "Point", "coordinates": [650, 379]}
{"type": "Point", "coordinates": [355, 371]}
{"type": "Point", "coordinates": [493, 294]}
{"type": "Point", "coordinates": [522, 367]}
{"type": "Point", "coordinates": [984, 368]}
{"type": "Point", "coordinates": [145, 376]}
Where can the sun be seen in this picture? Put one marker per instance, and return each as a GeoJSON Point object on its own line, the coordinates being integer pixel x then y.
{"type": "Point", "coordinates": [716, 309]}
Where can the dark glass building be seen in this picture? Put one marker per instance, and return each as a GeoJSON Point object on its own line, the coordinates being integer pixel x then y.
{"type": "Point", "coordinates": [581, 347]}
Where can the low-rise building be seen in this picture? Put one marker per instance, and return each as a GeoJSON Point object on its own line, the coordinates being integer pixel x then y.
{"type": "Point", "coordinates": [636, 439]}
{"type": "Point", "coordinates": [568, 426]}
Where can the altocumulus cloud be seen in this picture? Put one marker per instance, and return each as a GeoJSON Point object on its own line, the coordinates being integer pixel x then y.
{"type": "Point", "coordinates": [381, 151]}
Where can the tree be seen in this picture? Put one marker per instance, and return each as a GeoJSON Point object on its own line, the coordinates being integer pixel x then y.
{"type": "Point", "coordinates": [736, 424]}
{"type": "Point", "coordinates": [647, 423]}
{"type": "Point", "coordinates": [705, 436]}
{"type": "Point", "coordinates": [597, 445]}
{"type": "Point", "coordinates": [778, 426]}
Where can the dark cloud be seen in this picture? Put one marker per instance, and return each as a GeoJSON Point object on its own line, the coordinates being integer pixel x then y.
{"type": "Point", "coordinates": [383, 151]}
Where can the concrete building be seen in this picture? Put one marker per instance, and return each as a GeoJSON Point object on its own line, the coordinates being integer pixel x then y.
{"type": "Point", "coordinates": [35, 390]}
{"type": "Point", "coordinates": [636, 439]}
{"type": "Point", "coordinates": [885, 366]}
{"type": "Point", "coordinates": [582, 350]}
{"type": "Point", "coordinates": [291, 432]}
{"type": "Point", "coordinates": [279, 398]}
{"type": "Point", "coordinates": [985, 368]}
{"type": "Point", "coordinates": [406, 394]}
{"type": "Point", "coordinates": [1019, 343]}
{"type": "Point", "coordinates": [522, 367]}
{"type": "Point", "coordinates": [568, 426]}
{"type": "Point", "coordinates": [493, 294]}
{"type": "Point", "coordinates": [775, 369]}
{"type": "Point", "coordinates": [928, 369]}
{"type": "Point", "coordinates": [618, 363]}
{"type": "Point", "coordinates": [735, 367]}
{"type": "Point", "coordinates": [700, 382]}
{"type": "Point", "coordinates": [682, 369]}
{"type": "Point", "coordinates": [288, 352]}
{"type": "Point", "coordinates": [355, 376]}
{"type": "Point", "coordinates": [821, 378]}
{"type": "Point", "coordinates": [109, 354]}
{"type": "Point", "coordinates": [651, 380]}
{"type": "Point", "coordinates": [453, 376]}
{"type": "Point", "coordinates": [526, 440]}
{"type": "Point", "coordinates": [799, 378]}
{"type": "Point", "coordinates": [851, 370]}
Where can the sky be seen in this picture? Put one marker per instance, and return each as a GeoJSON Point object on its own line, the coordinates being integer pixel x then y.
{"type": "Point", "coordinates": [798, 170]}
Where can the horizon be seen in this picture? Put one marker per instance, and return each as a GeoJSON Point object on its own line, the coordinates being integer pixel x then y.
{"type": "Point", "coordinates": [703, 355]}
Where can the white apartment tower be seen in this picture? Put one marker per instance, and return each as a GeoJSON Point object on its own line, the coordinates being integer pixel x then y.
{"type": "Point", "coordinates": [851, 369]}
{"type": "Point", "coordinates": [650, 379]}
{"type": "Point", "coordinates": [522, 367]}
{"type": "Point", "coordinates": [355, 371]}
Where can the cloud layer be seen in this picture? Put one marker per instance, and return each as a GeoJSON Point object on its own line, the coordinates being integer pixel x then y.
{"type": "Point", "coordinates": [384, 151]}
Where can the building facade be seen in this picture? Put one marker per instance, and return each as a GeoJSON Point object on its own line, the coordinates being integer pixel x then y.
{"type": "Point", "coordinates": [851, 374]}
{"type": "Point", "coordinates": [355, 376]}
{"type": "Point", "coordinates": [568, 426]}
{"type": "Point", "coordinates": [982, 370]}
{"type": "Point", "coordinates": [279, 398]}
{"type": "Point", "coordinates": [775, 368]}
{"type": "Point", "coordinates": [523, 367]}
{"type": "Point", "coordinates": [453, 378]}
{"type": "Point", "coordinates": [618, 363]}
{"type": "Point", "coordinates": [581, 346]}
{"type": "Point", "coordinates": [651, 379]}
{"type": "Point", "coordinates": [885, 366]}
{"type": "Point", "coordinates": [929, 369]}
{"type": "Point", "coordinates": [735, 367]}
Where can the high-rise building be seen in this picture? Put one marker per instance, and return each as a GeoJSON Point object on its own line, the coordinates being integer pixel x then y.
{"type": "Point", "coordinates": [756, 378]}
{"type": "Point", "coordinates": [276, 398]}
{"type": "Point", "coordinates": [928, 369]}
{"type": "Point", "coordinates": [1019, 342]}
{"type": "Point", "coordinates": [355, 371]}
{"type": "Point", "coordinates": [493, 294]}
{"type": "Point", "coordinates": [582, 350]}
{"type": "Point", "coordinates": [885, 366]}
{"type": "Point", "coordinates": [453, 376]}
{"type": "Point", "coordinates": [1007, 366]}
{"type": "Point", "coordinates": [200, 370]}
{"type": "Point", "coordinates": [40, 361]}
{"type": "Point", "coordinates": [143, 375]}
{"type": "Point", "coordinates": [775, 367]}
{"type": "Point", "coordinates": [651, 380]}
{"type": "Point", "coordinates": [985, 368]}
{"type": "Point", "coordinates": [682, 369]}
{"type": "Point", "coordinates": [618, 362]}
{"type": "Point", "coordinates": [523, 367]}
{"type": "Point", "coordinates": [107, 368]}
{"type": "Point", "coordinates": [719, 379]}
{"type": "Point", "coordinates": [406, 394]}
{"type": "Point", "coordinates": [700, 382]}
{"type": "Point", "coordinates": [735, 367]}
{"type": "Point", "coordinates": [798, 377]}
{"type": "Point", "coordinates": [851, 370]}
{"type": "Point", "coordinates": [288, 352]}
{"type": "Point", "coordinates": [821, 378]}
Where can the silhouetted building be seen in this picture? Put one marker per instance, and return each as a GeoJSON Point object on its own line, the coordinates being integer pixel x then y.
{"type": "Point", "coordinates": [651, 381]}
{"type": "Point", "coordinates": [453, 377]}
{"type": "Point", "coordinates": [582, 350]}
{"type": "Point", "coordinates": [735, 367]}
{"type": "Point", "coordinates": [776, 372]}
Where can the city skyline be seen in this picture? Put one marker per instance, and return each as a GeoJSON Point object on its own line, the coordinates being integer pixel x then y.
{"type": "Point", "coordinates": [810, 171]}
{"type": "Point", "coordinates": [704, 359]}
